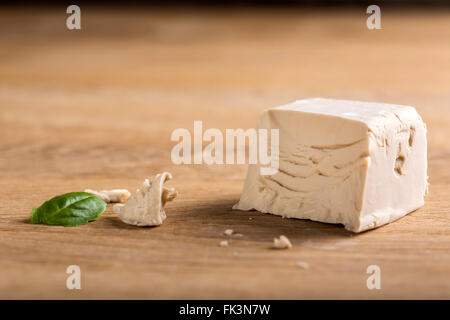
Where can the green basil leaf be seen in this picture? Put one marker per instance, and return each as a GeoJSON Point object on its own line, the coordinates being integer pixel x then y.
{"type": "Point", "coordinates": [70, 209]}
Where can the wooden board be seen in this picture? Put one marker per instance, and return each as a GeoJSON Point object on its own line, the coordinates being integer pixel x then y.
{"type": "Point", "coordinates": [95, 109]}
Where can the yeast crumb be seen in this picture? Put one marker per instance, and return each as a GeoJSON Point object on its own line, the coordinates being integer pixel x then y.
{"type": "Point", "coordinates": [223, 243]}
{"type": "Point", "coordinates": [282, 243]}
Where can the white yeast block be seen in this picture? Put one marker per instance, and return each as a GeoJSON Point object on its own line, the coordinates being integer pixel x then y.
{"type": "Point", "coordinates": [360, 164]}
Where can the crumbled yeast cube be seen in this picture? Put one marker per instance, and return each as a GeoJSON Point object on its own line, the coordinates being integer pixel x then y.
{"type": "Point", "coordinates": [360, 164]}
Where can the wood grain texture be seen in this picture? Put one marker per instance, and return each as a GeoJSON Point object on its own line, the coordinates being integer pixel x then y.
{"type": "Point", "coordinates": [95, 109]}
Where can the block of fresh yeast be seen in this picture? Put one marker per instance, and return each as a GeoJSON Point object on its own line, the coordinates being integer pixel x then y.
{"type": "Point", "coordinates": [360, 164]}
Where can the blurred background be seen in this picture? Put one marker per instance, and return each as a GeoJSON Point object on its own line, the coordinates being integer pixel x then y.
{"type": "Point", "coordinates": [133, 64]}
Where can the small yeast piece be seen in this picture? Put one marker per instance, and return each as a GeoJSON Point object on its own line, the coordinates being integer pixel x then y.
{"type": "Point", "coordinates": [114, 195]}
{"type": "Point", "coordinates": [302, 265]}
{"type": "Point", "coordinates": [228, 232]}
{"type": "Point", "coordinates": [223, 243]}
{"type": "Point", "coordinates": [146, 207]}
{"type": "Point", "coordinates": [282, 243]}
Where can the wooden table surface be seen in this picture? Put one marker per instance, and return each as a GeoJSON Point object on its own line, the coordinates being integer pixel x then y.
{"type": "Point", "coordinates": [95, 109]}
